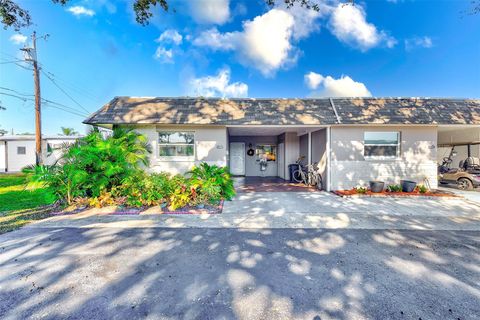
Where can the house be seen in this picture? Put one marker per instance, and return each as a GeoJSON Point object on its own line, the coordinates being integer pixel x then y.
{"type": "Point", "coordinates": [354, 140]}
{"type": "Point", "coordinates": [18, 151]}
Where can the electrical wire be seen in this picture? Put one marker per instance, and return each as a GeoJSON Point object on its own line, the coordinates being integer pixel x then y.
{"type": "Point", "coordinates": [51, 103]}
{"type": "Point", "coordinates": [61, 89]}
{"type": "Point", "coordinates": [13, 61]}
{"type": "Point", "coordinates": [74, 87]}
{"type": "Point", "coordinates": [17, 92]}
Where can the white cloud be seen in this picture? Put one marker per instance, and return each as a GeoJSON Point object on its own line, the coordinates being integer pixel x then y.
{"type": "Point", "coordinates": [18, 38]}
{"type": "Point", "coordinates": [266, 42]}
{"type": "Point", "coordinates": [218, 86]}
{"type": "Point", "coordinates": [418, 42]}
{"type": "Point", "coordinates": [313, 80]}
{"type": "Point", "coordinates": [331, 87]}
{"type": "Point", "coordinates": [348, 23]}
{"type": "Point", "coordinates": [210, 11]}
{"type": "Point", "coordinates": [81, 11]}
{"type": "Point", "coordinates": [164, 55]}
{"type": "Point", "coordinates": [170, 35]}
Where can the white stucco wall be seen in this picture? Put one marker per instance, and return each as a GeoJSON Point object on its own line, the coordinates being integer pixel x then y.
{"type": "Point", "coordinates": [417, 159]}
{"type": "Point", "coordinates": [50, 158]}
{"type": "Point", "coordinates": [210, 146]}
{"type": "Point", "coordinates": [16, 162]}
{"type": "Point", "coordinates": [3, 157]}
{"type": "Point", "coordinates": [319, 153]}
{"type": "Point", "coordinates": [292, 150]}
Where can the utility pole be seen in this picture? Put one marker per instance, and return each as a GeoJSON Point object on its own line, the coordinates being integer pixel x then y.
{"type": "Point", "coordinates": [31, 55]}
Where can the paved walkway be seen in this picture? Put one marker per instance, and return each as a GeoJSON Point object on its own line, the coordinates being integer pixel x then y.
{"type": "Point", "coordinates": [297, 210]}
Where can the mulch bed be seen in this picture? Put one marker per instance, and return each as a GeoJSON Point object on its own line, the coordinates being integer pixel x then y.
{"type": "Point", "coordinates": [384, 194]}
{"type": "Point", "coordinates": [208, 209]}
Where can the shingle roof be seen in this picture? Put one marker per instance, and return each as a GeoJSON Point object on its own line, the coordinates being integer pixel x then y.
{"type": "Point", "coordinates": [216, 111]}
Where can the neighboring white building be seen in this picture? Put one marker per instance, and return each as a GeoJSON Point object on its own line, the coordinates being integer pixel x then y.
{"type": "Point", "coordinates": [18, 151]}
{"type": "Point", "coordinates": [354, 140]}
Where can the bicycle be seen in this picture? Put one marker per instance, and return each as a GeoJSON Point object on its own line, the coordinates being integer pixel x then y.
{"type": "Point", "coordinates": [308, 175]}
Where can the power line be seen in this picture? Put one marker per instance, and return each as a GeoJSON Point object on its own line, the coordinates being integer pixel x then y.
{"type": "Point", "coordinates": [60, 108]}
{"type": "Point", "coordinates": [13, 61]}
{"type": "Point", "coordinates": [17, 92]}
{"type": "Point", "coordinates": [52, 104]}
{"type": "Point", "coordinates": [73, 86]}
{"type": "Point", "coordinates": [61, 89]}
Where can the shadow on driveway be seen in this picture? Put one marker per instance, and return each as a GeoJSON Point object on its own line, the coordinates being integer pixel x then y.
{"type": "Point", "coordinates": [106, 273]}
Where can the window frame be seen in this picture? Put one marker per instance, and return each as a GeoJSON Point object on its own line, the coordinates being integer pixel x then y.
{"type": "Point", "coordinates": [397, 145]}
{"type": "Point", "coordinates": [274, 150]}
{"type": "Point", "coordinates": [176, 157]}
{"type": "Point", "coordinates": [24, 150]}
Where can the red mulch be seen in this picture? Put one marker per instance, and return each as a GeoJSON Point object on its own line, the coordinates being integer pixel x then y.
{"type": "Point", "coordinates": [208, 209]}
{"type": "Point", "coordinates": [353, 193]}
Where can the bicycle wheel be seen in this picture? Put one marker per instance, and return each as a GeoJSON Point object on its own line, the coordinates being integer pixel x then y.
{"type": "Point", "coordinates": [312, 181]}
{"type": "Point", "coordinates": [297, 176]}
{"type": "Point", "coordinates": [319, 182]}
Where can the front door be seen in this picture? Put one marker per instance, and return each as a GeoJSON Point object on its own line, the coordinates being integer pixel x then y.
{"type": "Point", "coordinates": [237, 158]}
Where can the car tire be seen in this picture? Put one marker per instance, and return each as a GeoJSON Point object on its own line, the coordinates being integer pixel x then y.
{"type": "Point", "coordinates": [464, 184]}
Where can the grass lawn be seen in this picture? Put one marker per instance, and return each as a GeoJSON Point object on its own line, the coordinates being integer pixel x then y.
{"type": "Point", "coordinates": [18, 205]}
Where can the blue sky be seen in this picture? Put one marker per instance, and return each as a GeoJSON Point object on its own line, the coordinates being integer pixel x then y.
{"type": "Point", "coordinates": [96, 51]}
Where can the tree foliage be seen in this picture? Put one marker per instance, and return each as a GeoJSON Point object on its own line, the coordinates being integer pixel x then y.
{"type": "Point", "coordinates": [13, 15]}
{"type": "Point", "coordinates": [93, 164]}
{"type": "Point", "coordinates": [68, 131]}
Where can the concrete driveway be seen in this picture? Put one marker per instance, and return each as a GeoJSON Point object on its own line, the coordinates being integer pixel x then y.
{"type": "Point", "coordinates": [296, 210]}
{"type": "Point", "coordinates": [157, 273]}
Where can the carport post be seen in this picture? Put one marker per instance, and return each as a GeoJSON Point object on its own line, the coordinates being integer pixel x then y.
{"type": "Point", "coordinates": [329, 159]}
{"type": "Point", "coordinates": [309, 148]}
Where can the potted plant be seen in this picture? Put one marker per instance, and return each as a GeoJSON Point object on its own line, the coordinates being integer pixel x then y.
{"type": "Point", "coordinates": [407, 185]}
{"type": "Point", "coordinates": [376, 186]}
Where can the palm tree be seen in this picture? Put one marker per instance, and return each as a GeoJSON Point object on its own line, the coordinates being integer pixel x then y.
{"type": "Point", "coordinates": [69, 131]}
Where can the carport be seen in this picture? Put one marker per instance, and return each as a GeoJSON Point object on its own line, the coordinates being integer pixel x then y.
{"type": "Point", "coordinates": [458, 134]}
{"type": "Point", "coordinates": [280, 146]}
{"type": "Point", "coordinates": [461, 145]}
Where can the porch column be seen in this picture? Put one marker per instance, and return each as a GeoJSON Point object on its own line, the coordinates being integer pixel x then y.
{"type": "Point", "coordinates": [309, 156]}
{"type": "Point", "coordinates": [329, 159]}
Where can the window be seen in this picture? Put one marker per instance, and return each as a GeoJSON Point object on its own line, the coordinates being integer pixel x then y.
{"type": "Point", "coordinates": [176, 144]}
{"type": "Point", "coordinates": [266, 151]}
{"type": "Point", "coordinates": [21, 150]}
{"type": "Point", "coordinates": [381, 145]}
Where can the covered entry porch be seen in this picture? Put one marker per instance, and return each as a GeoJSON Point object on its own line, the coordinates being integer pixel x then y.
{"type": "Point", "coordinates": [260, 155]}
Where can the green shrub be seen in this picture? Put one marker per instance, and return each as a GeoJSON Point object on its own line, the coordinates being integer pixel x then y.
{"type": "Point", "coordinates": [361, 190]}
{"type": "Point", "coordinates": [394, 188]}
{"type": "Point", "coordinates": [99, 172]}
{"type": "Point", "coordinates": [93, 165]}
{"type": "Point", "coordinates": [213, 181]}
{"type": "Point", "coordinates": [422, 189]}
